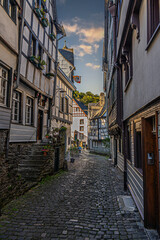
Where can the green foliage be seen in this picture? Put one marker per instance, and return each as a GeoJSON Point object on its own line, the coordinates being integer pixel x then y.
{"type": "Point", "coordinates": [106, 142]}
{"type": "Point", "coordinates": [86, 98]}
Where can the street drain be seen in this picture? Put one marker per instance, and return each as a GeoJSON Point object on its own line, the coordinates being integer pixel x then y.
{"type": "Point", "coordinates": [126, 203]}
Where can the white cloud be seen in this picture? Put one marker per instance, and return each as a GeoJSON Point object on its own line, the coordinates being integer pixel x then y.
{"type": "Point", "coordinates": [96, 46]}
{"type": "Point", "coordinates": [70, 28]}
{"type": "Point", "coordinates": [91, 35]}
{"type": "Point", "coordinates": [88, 35]}
{"type": "Point", "coordinates": [93, 66]}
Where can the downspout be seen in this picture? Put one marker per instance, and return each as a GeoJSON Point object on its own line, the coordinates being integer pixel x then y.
{"type": "Point", "coordinates": [20, 43]}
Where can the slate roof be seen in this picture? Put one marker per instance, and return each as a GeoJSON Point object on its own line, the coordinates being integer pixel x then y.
{"type": "Point", "coordinates": [82, 106]}
{"type": "Point", "coordinates": [100, 113]}
{"type": "Point", "coordinates": [67, 54]}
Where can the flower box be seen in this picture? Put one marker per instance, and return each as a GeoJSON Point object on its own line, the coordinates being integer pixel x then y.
{"type": "Point", "coordinates": [44, 22]}
{"type": "Point", "coordinates": [49, 75]}
{"type": "Point", "coordinates": [38, 12]}
{"type": "Point", "coordinates": [52, 36]}
{"type": "Point", "coordinates": [40, 66]}
{"type": "Point", "coordinates": [33, 59]}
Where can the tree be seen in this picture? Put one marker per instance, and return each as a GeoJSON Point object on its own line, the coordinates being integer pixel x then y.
{"type": "Point", "coordinates": [86, 98]}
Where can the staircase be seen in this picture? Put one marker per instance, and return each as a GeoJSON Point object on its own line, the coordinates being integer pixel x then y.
{"type": "Point", "coordinates": [30, 168]}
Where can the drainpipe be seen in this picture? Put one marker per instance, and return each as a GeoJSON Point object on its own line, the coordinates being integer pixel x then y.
{"type": "Point", "coordinates": [20, 43]}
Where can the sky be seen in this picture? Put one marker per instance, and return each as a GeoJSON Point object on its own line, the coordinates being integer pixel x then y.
{"type": "Point", "coordinates": [83, 21]}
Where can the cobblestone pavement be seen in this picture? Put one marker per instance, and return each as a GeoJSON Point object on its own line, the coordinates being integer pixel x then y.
{"type": "Point", "coordinates": [78, 204]}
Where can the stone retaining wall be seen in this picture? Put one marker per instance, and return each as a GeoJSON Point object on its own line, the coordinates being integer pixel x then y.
{"type": "Point", "coordinates": [12, 181]}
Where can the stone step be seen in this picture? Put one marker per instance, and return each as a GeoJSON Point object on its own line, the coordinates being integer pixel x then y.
{"type": "Point", "coordinates": [31, 165]}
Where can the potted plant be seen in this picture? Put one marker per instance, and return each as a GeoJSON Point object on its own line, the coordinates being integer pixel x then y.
{"type": "Point", "coordinates": [46, 149]}
{"type": "Point", "coordinates": [63, 129]}
{"type": "Point", "coordinates": [38, 12]}
{"type": "Point", "coordinates": [44, 5]}
{"type": "Point", "coordinates": [47, 135]}
{"type": "Point", "coordinates": [33, 59]}
{"type": "Point", "coordinates": [41, 63]}
{"type": "Point", "coordinates": [45, 22]}
{"type": "Point", "coordinates": [49, 75]}
{"type": "Point", "coordinates": [52, 36]}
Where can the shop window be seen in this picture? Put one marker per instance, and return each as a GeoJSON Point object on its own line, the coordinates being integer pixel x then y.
{"type": "Point", "coordinates": [16, 107]}
{"type": "Point", "coordinates": [3, 86]}
{"type": "Point", "coordinates": [153, 16]}
{"type": "Point", "coordinates": [29, 111]}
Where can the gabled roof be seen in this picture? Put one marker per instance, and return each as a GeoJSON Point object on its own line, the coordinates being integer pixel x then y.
{"type": "Point", "coordinates": [101, 113]}
{"type": "Point", "coordinates": [67, 53]}
{"type": "Point", "coordinates": [82, 106]}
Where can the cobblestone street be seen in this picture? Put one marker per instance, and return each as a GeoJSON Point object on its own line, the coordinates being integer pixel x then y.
{"type": "Point", "coordinates": [78, 204]}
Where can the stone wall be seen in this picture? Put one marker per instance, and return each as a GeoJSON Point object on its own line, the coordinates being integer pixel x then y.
{"type": "Point", "coordinates": [24, 167]}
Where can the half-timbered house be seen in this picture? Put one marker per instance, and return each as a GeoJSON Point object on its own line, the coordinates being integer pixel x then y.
{"type": "Point", "coordinates": [136, 27]}
{"type": "Point", "coordinates": [9, 31]}
{"type": "Point", "coordinates": [79, 129]}
{"type": "Point", "coordinates": [97, 126]}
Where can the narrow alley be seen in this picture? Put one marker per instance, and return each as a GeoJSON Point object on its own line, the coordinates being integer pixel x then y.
{"type": "Point", "coordinates": [78, 204]}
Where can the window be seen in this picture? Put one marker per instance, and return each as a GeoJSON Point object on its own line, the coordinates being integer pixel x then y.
{"type": "Point", "coordinates": [11, 8]}
{"type": "Point", "coordinates": [40, 51]}
{"type": "Point", "coordinates": [16, 108]}
{"type": "Point", "coordinates": [120, 143]}
{"type": "Point", "coordinates": [128, 58]}
{"type": "Point", "coordinates": [48, 64]}
{"type": "Point", "coordinates": [77, 109]}
{"type": "Point", "coordinates": [29, 111]}
{"type": "Point", "coordinates": [33, 47]}
{"type": "Point", "coordinates": [3, 86]}
{"type": "Point", "coordinates": [37, 3]}
{"type": "Point", "coordinates": [62, 104]}
{"type": "Point", "coordinates": [51, 26]}
{"type": "Point", "coordinates": [81, 128]}
{"type": "Point", "coordinates": [153, 16]}
{"type": "Point", "coordinates": [129, 143]}
{"type": "Point", "coordinates": [81, 136]}
{"type": "Point", "coordinates": [66, 104]}
{"type": "Point", "coordinates": [138, 156]}
{"type": "Point", "coordinates": [81, 121]}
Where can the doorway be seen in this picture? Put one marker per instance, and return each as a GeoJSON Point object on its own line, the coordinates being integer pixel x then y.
{"type": "Point", "coordinates": [56, 166]}
{"type": "Point", "coordinates": [40, 125]}
{"type": "Point", "coordinates": [150, 171]}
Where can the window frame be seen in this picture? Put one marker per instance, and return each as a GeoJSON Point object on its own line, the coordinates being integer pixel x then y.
{"type": "Point", "coordinates": [18, 101]}
{"type": "Point", "coordinates": [80, 128]}
{"type": "Point", "coordinates": [153, 17]}
{"type": "Point", "coordinates": [6, 87]}
{"type": "Point", "coordinates": [81, 121]}
{"type": "Point", "coordinates": [6, 4]}
{"type": "Point", "coordinates": [30, 106]}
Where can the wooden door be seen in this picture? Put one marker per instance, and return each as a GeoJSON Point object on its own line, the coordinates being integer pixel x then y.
{"type": "Point", "coordinates": [39, 125]}
{"type": "Point", "coordinates": [150, 165]}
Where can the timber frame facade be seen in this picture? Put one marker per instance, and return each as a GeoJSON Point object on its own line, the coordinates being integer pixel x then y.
{"type": "Point", "coordinates": [132, 37]}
